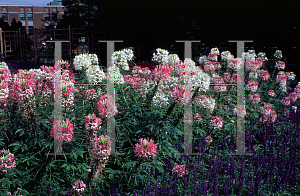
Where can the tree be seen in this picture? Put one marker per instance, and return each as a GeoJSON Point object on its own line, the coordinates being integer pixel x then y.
{"type": "Point", "coordinates": [14, 26]}
{"type": "Point", "coordinates": [4, 25]}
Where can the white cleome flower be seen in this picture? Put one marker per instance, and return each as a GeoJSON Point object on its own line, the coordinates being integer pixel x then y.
{"type": "Point", "coordinates": [95, 74]}
{"type": "Point", "coordinates": [114, 73]}
{"type": "Point", "coordinates": [189, 62]}
{"type": "Point", "coordinates": [161, 56]}
{"type": "Point", "coordinates": [215, 51]}
{"type": "Point", "coordinates": [263, 56]}
{"type": "Point", "coordinates": [122, 57]}
{"type": "Point", "coordinates": [203, 59]}
{"type": "Point", "coordinates": [173, 59]}
{"type": "Point", "coordinates": [94, 59]}
{"type": "Point", "coordinates": [226, 55]}
{"type": "Point", "coordinates": [82, 61]}
{"type": "Point", "coordinates": [160, 99]}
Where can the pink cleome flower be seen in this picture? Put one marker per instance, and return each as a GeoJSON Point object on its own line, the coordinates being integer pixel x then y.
{"type": "Point", "coordinates": [66, 129]}
{"type": "Point", "coordinates": [145, 148]}
{"type": "Point", "coordinates": [180, 170]}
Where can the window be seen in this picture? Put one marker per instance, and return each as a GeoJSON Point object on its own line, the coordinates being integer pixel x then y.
{"type": "Point", "coordinates": [47, 16]}
{"type": "Point", "coordinates": [46, 10]}
{"type": "Point", "coordinates": [21, 9]}
{"type": "Point", "coordinates": [29, 16]}
{"type": "Point", "coordinates": [30, 29]}
{"type": "Point", "coordinates": [54, 10]}
{"type": "Point", "coordinates": [4, 9]}
{"type": "Point", "coordinates": [29, 10]}
{"type": "Point", "coordinates": [54, 16]}
{"type": "Point", "coordinates": [4, 16]}
{"type": "Point", "coordinates": [22, 16]}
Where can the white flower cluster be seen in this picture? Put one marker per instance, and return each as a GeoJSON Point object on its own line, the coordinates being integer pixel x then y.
{"type": "Point", "coordinates": [226, 55]}
{"type": "Point", "coordinates": [160, 99]}
{"type": "Point", "coordinates": [171, 83]}
{"type": "Point", "coordinates": [253, 75]}
{"type": "Point", "coordinates": [38, 73]}
{"type": "Point", "coordinates": [202, 80]}
{"type": "Point", "coordinates": [84, 61]}
{"type": "Point", "coordinates": [190, 63]}
{"type": "Point", "coordinates": [203, 59]}
{"type": "Point", "coordinates": [121, 58]}
{"type": "Point", "coordinates": [292, 76]}
{"type": "Point", "coordinates": [65, 84]}
{"type": "Point", "coordinates": [94, 74]}
{"type": "Point", "coordinates": [263, 56]}
{"type": "Point", "coordinates": [208, 103]}
{"type": "Point", "coordinates": [114, 73]}
{"type": "Point", "coordinates": [199, 78]}
{"type": "Point", "coordinates": [215, 51]}
{"type": "Point", "coordinates": [136, 70]}
{"type": "Point", "coordinates": [173, 59]}
{"type": "Point", "coordinates": [249, 56]}
{"type": "Point", "coordinates": [4, 92]}
{"type": "Point", "coordinates": [161, 56]}
{"type": "Point", "coordinates": [94, 59]}
{"type": "Point", "coordinates": [278, 54]}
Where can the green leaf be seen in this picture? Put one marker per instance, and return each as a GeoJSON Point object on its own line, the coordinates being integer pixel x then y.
{"type": "Point", "coordinates": [1, 143]}
{"type": "Point", "coordinates": [17, 143]}
{"type": "Point", "coordinates": [139, 131]}
{"type": "Point", "coordinates": [72, 167]}
{"type": "Point", "coordinates": [158, 165]}
{"type": "Point", "coordinates": [20, 130]}
{"type": "Point", "coordinates": [130, 164]}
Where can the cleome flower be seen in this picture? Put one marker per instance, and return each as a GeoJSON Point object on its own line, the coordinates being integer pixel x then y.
{"type": "Point", "coordinates": [145, 148]}
{"type": "Point", "coordinates": [65, 130]}
{"type": "Point", "coordinates": [6, 160]}
{"type": "Point", "coordinates": [180, 170]}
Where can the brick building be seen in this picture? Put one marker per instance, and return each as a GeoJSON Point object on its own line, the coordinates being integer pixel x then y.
{"type": "Point", "coordinates": [32, 16]}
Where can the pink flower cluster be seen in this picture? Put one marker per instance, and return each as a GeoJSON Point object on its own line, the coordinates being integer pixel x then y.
{"type": "Point", "coordinates": [271, 93]}
{"type": "Point", "coordinates": [100, 153]}
{"type": "Point", "coordinates": [208, 139]}
{"type": "Point", "coordinates": [209, 67]}
{"type": "Point", "coordinates": [254, 99]}
{"type": "Point", "coordinates": [264, 75]}
{"type": "Point", "coordinates": [297, 90]}
{"type": "Point", "coordinates": [217, 123]}
{"type": "Point", "coordinates": [220, 87]}
{"type": "Point", "coordinates": [107, 107]}
{"type": "Point", "coordinates": [268, 114]}
{"type": "Point", "coordinates": [281, 79]}
{"type": "Point", "coordinates": [18, 189]}
{"type": "Point", "coordinates": [252, 86]}
{"type": "Point", "coordinates": [234, 64]}
{"type": "Point", "coordinates": [293, 96]}
{"type": "Point", "coordinates": [180, 170]}
{"type": "Point", "coordinates": [240, 111]}
{"type": "Point", "coordinates": [253, 65]}
{"type": "Point", "coordinates": [179, 94]}
{"type": "Point", "coordinates": [6, 160]}
{"type": "Point", "coordinates": [145, 148]}
{"type": "Point", "coordinates": [90, 94]}
{"type": "Point", "coordinates": [162, 72]}
{"type": "Point", "coordinates": [79, 188]}
{"type": "Point", "coordinates": [286, 101]}
{"type": "Point", "coordinates": [65, 130]}
{"type": "Point", "coordinates": [198, 117]}
{"type": "Point", "coordinates": [280, 65]}
{"type": "Point", "coordinates": [92, 123]}
{"type": "Point", "coordinates": [213, 56]}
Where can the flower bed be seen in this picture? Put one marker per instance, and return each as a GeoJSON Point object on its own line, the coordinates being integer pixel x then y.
{"type": "Point", "coordinates": [148, 110]}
